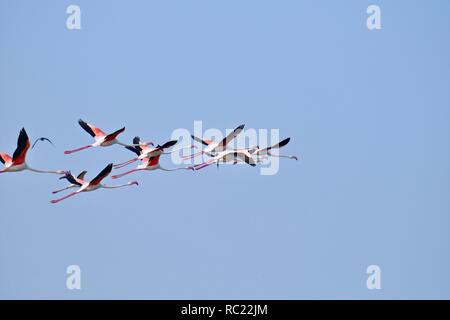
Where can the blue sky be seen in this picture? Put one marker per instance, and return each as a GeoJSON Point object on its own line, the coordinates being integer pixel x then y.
{"type": "Point", "coordinates": [368, 112]}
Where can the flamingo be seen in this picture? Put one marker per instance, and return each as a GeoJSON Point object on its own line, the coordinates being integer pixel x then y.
{"type": "Point", "coordinates": [101, 139]}
{"type": "Point", "coordinates": [79, 178]}
{"type": "Point", "coordinates": [213, 148]}
{"type": "Point", "coordinates": [262, 153]}
{"type": "Point", "coordinates": [227, 156]}
{"type": "Point", "coordinates": [94, 184]}
{"type": "Point", "coordinates": [150, 163]}
{"type": "Point", "coordinates": [18, 161]}
{"type": "Point", "coordinates": [143, 151]}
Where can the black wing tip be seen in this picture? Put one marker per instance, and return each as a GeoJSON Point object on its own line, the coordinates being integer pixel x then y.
{"type": "Point", "coordinates": [81, 174]}
{"type": "Point", "coordinates": [284, 142]}
{"type": "Point", "coordinates": [23, 132]}
{"type": "Point", "coordinates": [23, 136]}
{"type": "Point", "coordinates": [107, 169]}
{"type": "Point", "coordinates": [134, 150]}
{"type": "Point", "coordinates": [86, 127]}
{"type": "Point", "coordinates": [240, 127]}
{"type": "Point", "coordinates": [119, 130]}
{"type": "Point", "coordinates": [169, 144]}
{"type": "Point", "coordinates": [68, 175]}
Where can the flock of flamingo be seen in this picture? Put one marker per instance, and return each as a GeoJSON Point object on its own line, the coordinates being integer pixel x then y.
{"type": "Point", "coordinates": [145, 152]}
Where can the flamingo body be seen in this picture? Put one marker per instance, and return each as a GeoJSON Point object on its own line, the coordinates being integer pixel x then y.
{"type": "Point", "coordinates": [101, 139]}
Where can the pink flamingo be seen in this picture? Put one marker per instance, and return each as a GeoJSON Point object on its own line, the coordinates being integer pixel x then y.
{"type": "Point", "coordinates": [94, 184]}
{"type": "Point", "coordinates": [101, 139]}
{"type": "Point", "coordinates": [143, 151]}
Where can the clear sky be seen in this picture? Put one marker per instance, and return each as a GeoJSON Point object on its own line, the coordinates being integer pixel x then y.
{"type": "Point", "coordinates": [367, 111]}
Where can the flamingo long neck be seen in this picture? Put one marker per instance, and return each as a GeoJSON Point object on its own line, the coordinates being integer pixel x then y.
{"type": "Point", "coordinates": [117, 186]}
{"type": "Point", "coordinates": [124, 144]}
{"type": "Point", "coordinates": [46, 171]}
{"type": "Point", "coordinates": [69, 187]}
{"type": "Point", "coordinates": [174, 169]}
{"type": "Point", "coordinates": [283, 156]}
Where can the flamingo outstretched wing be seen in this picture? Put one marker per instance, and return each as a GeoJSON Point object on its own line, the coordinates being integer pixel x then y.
{"type": "Point", "coordinates": [275, 146]}
{"type": "Point", "coordinates": [206, 143]}
{"type": "Point", "coordinates": [139, 148]}
{"type": "Point", "coordinates": [80, 177]}
{"type": "Point", "coordinates": [23, 144]}
{"type": "Point", "coordinates": [231, 136]}
{"type": "Point", "coordinates": [72, 179]}
{"type": "Point", "coordinates": [92, 130]}
{"type": "Point", "coordinates": [280, 144]}
{"type": "Point", "coordinates": [168, 144]}
{"type": "Point", "coordinates": [135, 149]}
{"type": "Point", "coordinates": [102, 175]}
{"type": "Point", "coordinates": [5, 158]}
{"type": "Point", "coordinates": [114, 135]}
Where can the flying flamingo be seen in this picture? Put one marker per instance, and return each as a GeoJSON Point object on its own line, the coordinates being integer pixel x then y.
{"type": "Point", "coordinates": [94, 184]}
{"type": "Point", "coordinates": [228, 156]}
{"type": "Point", "coordinates": [150, 163]}
{"type": "Point", "coordinates": [101, 139]}
{"type": "Point", "coordinates": [143, 151]}
{"type": "Point", "coordinates": [18, 161]}
{"type": "Point", "coordinates": [213, 148]}
{"type": "Point", "coordinates": [79, 178]}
